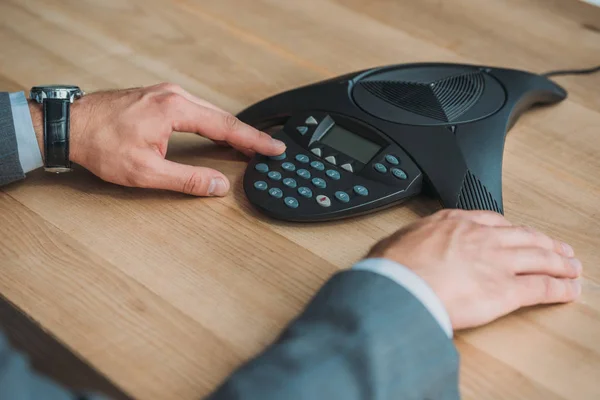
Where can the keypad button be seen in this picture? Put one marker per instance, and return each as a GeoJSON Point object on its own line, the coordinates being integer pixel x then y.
{"type": "Point", "coordinates": [291, 202]}
{"type": "Point", "coordinates": [311, 121]}
{"type": "Point", "coordinates": [398, 173]}
{"type": "Point", "coordinates": [333, 174]}
{"type": "Point", "coordinates": [323, 200]}
{"type": "Point", "coordinates": [302, 130]}
{"type": "Point", "coordinates": [316, 151]}
{"type": "Point", "coordinates": [318, 165]}
{"type": "Point", "coordinates": [261, 185]}
{"type": "Point", "coordinates": [302, 158]}
{"type": "Point", "coordinates": [262, 168]}
{"type": "Point", "coordinates": [288, 166]}
{"type": "Point", "coordinates": [348, 167]}
{"type": "Point", "coordinates": [320, 183]}
{"type": "Point", "coordinates": [361, 190]}
{"type": "Point", "coordinates": [392, 159]}
{"type": "Point", "coordinates": [379, 167]}
{"type": "Point", "coordinates": [290, 182]}
{"type": "Point", "coordinates": [280, 157]}
{"type": "Point", "coordinates": [302, 173]}
{"type": "Point", "coordinates": [276, 176]}
{"type": "Point", "coordinates": [342, 196]}
{"type": "Point", "coordinates": [276, 192]}
{"type": "Point", "coordinates": [305, 192]}
{"type": "Point", "coordinates": [331, 159]}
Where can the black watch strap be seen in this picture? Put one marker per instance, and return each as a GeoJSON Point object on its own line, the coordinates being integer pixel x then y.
{"type": "Point", "coordinates": [56, 133]}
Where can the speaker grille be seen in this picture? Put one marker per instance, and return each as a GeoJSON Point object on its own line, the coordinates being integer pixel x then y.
{"type": "Point", "coordinates": [475, 196]}
{"type": "Point", "coordinates": [444, 100]}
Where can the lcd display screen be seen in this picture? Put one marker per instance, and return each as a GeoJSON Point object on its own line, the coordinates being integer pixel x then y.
{"type": "Point", "coordinates": [350, 144]}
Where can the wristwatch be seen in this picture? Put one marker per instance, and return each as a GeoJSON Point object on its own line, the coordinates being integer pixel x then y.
{"type": "Point", "coordinates": [56, 104]}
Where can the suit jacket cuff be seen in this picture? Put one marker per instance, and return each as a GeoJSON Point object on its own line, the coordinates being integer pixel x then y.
{"type": "Point", "coordinates": [29, 150]}
{"type": "Point", "coordinates": [413, 283]}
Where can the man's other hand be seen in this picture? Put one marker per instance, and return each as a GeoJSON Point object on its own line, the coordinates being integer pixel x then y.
{"type": "Point", "coordinates": [122, 137]}
{"type": "Point", "coordinates": [481, 266]}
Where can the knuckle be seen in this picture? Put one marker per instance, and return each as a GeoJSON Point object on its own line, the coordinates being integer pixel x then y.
{"type": "Point", "coordinates": [168, 87]}
{"type": "Point", "coordinates": [195, 183]}
{"type": "Point", "coordinates": [231, 123]}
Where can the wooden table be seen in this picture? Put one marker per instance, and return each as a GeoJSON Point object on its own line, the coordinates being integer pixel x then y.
{"type": "Point", "coordinates": [166, 294]}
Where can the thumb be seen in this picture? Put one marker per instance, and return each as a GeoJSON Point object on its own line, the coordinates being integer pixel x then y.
{"type": "Point", "coordinates": [197, 181]}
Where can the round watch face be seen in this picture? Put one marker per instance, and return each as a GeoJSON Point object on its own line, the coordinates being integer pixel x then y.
{"type": "Point", "coordinates": [55, 87]}
{"type": "Point", "coordinates": [66, 92]}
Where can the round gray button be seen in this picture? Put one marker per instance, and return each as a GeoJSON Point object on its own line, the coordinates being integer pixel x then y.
{"type": "Point", "coordinates": [291, 202]}
{"type": "Point", "coordinates": [333, 174]}
{"type": "Point", "coordinates": [276, 192]}
{"type": "Point", "coordinates": [302, 158]}
{"type": "Point", "coordinates": [398, 173]}
{"type": "Point", "coordinates": [302, 173]}
{"type": "Point", "coordinates": [290, 182]}
{"type": "Point", "coordinates": [342, 196]}
{"type": "Point", "coordinates": [261, 185]}
{"type": "Point", "coordinates": [318, 165]}
{"type": "Point", "coordinates": [288, 166]}
{"type": "Point", "coordinates": [279, 157]}
{"type": "Point", "coordinates": [379, 167]}
{"type": "Point", "coordinates": [320, 183]}
{"type": "Point", "coordinates": [305, 192]}
{"type": "Point", "coordinates": [276, 176]}
{"type": "Point", "coordinates": [361, 190]}
{"type": "Point", "coordinates": [392, 159]}
{"type": "Point", "coordinates": [262, 168]}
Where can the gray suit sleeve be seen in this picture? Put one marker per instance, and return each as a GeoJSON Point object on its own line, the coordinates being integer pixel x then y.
{"type": "Point", "coordinates": [10, 166]}
{"type": "Point", "coordinates": [19, 382]}
{"type": "Point", "coordinates": [362, 337]}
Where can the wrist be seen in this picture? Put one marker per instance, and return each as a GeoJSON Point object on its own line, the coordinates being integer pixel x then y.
{"type": "Point", "coordinates": [37, 118]}
{"type": "Point", "coordinates": [76, 128]}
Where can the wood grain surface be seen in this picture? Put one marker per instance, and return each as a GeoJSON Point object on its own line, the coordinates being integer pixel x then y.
{"type": "Point", "coordinates": [166, 294]}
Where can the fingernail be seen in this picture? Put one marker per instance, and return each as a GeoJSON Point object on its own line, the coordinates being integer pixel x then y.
{"type": "Point", "coordinates": [217, 187]}
{"type": "Point", "coordinates": [568, 250]}
{"type": "Point", "coordinates": [576, 283]}
{"type": "Point", "coordinates": [277, 143]}
{"type": "Point", "coordinates": [576, 264]}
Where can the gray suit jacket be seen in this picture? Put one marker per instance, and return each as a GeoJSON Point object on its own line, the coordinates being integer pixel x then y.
{"type": "Point", "coordinates": [363, 336]}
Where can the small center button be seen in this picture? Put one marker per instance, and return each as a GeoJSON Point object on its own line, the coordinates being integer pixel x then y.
{"type": "Point", "coordinates": [348, 167]}
{"type": "Point", "coordinates": [302, 130]}
{"type": "Point", "coordinates": [262, 168]}
{"type": "Point", "coordinates": [276, 176]}
{"type": "Point", "coordinates": [331, 159]}
{"type": "Point", "coordinates": [260, 185]}
{"type": "Point", "coordinates": [305, 192]}
{"type": "Point", "coordinates": [311, 121]}
{"type": "Point", "coordinates": [288, 166]}
{"type": "Point", "coordinates": [379, 167]}
{"type": "Point", "coordinates": [291, 202]}
{"type": "Point", "coordinates": [302, 173]}
{"type": "Point", "coordinates": [398, 173]}
{"type": "Point", "coordinates": [361, 190]}
{"type": "Point", "coordinates": [320, 183]}
{"type": "Point", "coordinates": [392, 159]}
{"type": "Point", "coordinates": [302, 158]}
{"type": "Point", "coordinates": [342, 196]}
{"type": "Point", "coordinates": [318, 165]}
{"type": "Point", "coordinates": [276, 192]}
{"type": "Point", "coordinates": [323, 200]}
{"type": "Point", "coordinates": [333, 174]}
{"type": "Point", "coordinates": [290, 182]}
{"type": "Point", "coordinates": [280, 157]}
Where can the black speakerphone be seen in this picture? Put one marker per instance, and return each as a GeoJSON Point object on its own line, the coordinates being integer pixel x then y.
{"type": "Point", "coordinates": [372, 139]}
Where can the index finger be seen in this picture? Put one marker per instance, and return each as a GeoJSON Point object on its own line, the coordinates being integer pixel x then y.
{"type": "Point", "coordinates": [216, 125]}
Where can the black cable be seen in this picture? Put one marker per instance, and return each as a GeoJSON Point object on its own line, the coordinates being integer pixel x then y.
{"type": "Point", "coordinates": [573, 71]}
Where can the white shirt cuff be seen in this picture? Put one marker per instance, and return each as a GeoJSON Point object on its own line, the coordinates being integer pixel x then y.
{"type": "Point", "coordinates": [27, 144]}
{"type": "Point", "coordinates": [411, 282]}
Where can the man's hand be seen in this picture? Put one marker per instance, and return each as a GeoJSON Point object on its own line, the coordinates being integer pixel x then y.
{"type": "Point", "coordinates": [481, 266]}
{"type": "Point", "coordinates": [122, 137]}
